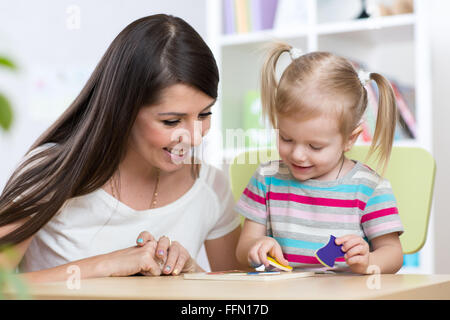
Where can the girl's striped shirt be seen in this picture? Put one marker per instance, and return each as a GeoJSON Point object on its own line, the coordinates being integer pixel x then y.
{"type": "Point", "coordinates": [301, 216]}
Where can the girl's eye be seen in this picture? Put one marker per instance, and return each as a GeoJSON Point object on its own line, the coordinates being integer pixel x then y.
{"type": "Point", "coordinates": [284, 139]}
{"type": "Point", "coordinates": [315, 147]}
{"type": "Point", "coordinates": [204, 115]}
{"type": "Point", "coordinates": [171, 122]}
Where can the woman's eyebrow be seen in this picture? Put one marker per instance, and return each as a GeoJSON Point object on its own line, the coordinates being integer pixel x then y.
{"type": "Point", "coordinates": [183, 114]}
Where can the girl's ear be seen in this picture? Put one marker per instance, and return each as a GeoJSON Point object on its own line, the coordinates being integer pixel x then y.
{"type": "Point", "coordinates": [353, 137]}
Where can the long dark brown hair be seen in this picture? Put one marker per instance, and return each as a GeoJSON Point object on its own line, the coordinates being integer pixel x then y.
{"type": "Point", "coordinates": [89, 139]}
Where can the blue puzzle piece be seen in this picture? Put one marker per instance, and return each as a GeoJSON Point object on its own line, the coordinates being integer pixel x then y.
{"type": "Point", "coordinates": [328, 254]}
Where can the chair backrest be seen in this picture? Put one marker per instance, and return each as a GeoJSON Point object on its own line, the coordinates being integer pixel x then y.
{"type": "Point", "coordinates": [411, 172]}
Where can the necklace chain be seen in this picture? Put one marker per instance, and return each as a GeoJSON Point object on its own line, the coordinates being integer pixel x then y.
{"type": "Point", "coordinates": [155, 191]}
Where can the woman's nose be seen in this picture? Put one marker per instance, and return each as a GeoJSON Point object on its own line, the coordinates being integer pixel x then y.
{"type": "Point", "coordinates": [193, 135]}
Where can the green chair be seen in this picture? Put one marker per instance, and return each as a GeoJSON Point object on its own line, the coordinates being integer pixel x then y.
{"type": "Point", "coordinates": [411, 172]}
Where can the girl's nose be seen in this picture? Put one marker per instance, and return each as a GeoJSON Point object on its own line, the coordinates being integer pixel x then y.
{"type": "Point", "coordinates": [299, 155]}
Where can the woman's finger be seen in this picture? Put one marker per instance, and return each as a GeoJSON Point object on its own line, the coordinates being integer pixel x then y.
{"type": "Point", "coordinates": [181, 261]}
{"type": "Point", "coordinates": [163, 246]}
{"type": "Point", "coordinates": [144, 237]}
{"type": "Point", "coordinates": [149, 265]}
{"type": "Point", "coordinates": [172, 257]}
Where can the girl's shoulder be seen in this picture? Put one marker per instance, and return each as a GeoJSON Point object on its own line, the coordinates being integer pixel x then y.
{"type": "Point", "coordinates": [364, 174]}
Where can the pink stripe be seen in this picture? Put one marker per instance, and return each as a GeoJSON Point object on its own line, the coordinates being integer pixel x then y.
{"type": "Point", "coordinates": [324, 217]}
{"type": "Point", "coordinates": [379, 213]}
{"type": "Point", "coordinates": [306, 259]}
{"type": "Point", "coordinates": [249, 209]}
{"type": "Point", "coordinates": [317, 201]}
{"type": "Point", "coordinates": [254, 197]}
{"type": "Point", "coordinates": [382, 226]}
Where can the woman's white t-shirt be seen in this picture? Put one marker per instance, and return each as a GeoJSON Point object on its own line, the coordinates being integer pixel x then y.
{"type": "Point", "coordinates": [98, 223]}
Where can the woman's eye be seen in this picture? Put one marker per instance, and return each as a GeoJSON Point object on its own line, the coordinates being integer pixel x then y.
{"type": "Point", "coordinates": [171, 122]}
{"type": "Point", "coordinates": [204, 115]}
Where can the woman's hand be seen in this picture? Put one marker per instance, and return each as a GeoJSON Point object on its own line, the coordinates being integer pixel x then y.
{"type": "Point", "coordinates": [356, 252]}
{"type": "Point", "coordinates": [173, 257]}
{"type": "Point", "coordinates": [133, 260]}
{"type": "Point", "coordinates": [263, 246]}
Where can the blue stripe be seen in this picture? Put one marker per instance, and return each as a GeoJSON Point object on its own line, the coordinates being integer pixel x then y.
{"type": "Point", "coordinates": [258, 184]}
{"type": "Point", "coordinates": [345, 188]}
{"type": "Point", "coordinates": [380, 199]}
{"type": "Point", "coordinates": [299, 243]}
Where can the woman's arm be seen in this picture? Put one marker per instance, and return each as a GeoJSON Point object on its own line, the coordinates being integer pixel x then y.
{"type": "Point", "coordinates": [221, 251]}
{"type": "Point", "coordinates": [11, 261]}
{"type": "Point", "coordinates": [118, 263]}
{"type": "Point", "coordinates": [125, 262]}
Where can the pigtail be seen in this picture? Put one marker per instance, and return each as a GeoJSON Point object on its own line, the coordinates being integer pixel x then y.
{"type": "Point", "coordinates": [268, 81]}
{"type": "Point", "coordinates": [383, 137]}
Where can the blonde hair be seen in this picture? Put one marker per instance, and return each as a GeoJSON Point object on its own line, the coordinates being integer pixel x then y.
{"type": "Point", "coordinates": [319, 83]}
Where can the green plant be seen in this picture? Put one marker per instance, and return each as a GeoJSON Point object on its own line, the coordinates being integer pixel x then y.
{"type": "Point", "coordinates": [6, 114]}
{"type": "Point", "coordinates": [9, 281]}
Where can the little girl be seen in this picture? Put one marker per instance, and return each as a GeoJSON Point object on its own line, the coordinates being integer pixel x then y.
{"type": "Point", "coordinates": [317, 108]}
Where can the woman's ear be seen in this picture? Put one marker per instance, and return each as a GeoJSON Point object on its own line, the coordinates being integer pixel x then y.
{"type": "Point", "coordinates": [352, 138]}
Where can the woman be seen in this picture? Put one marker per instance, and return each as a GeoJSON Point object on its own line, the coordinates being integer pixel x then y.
{"type": "Point", "coordinates": [108, 187]}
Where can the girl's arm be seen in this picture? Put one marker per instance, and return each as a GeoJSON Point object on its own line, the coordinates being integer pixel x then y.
{"type": "Point", "coordinates": [221, 252]}
{"type": "Point", "coordinates": [251, 233]}
{"type": "Point", "coordinates": [386, 255]}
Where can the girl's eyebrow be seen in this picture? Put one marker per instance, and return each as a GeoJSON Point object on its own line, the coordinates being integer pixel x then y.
{"type": "Point", "coordinates": [179, 114]}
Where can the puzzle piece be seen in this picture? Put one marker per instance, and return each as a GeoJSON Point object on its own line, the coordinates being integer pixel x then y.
{"type": "Point", "coordinates": [276, 264]}
{"type": "Point", "coordinates": [328, 253]}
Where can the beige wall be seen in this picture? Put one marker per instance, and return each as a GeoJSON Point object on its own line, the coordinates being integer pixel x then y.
{"type": "Point", "coordinates": [440, 55]}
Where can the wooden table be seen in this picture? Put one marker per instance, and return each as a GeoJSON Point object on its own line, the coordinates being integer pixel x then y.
{"type": "Point", "coordinates": [324, 286]}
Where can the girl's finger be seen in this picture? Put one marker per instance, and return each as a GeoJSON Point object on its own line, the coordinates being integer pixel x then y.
{"type": "Point", "coordinates": [253, 257]}
{"type": "Point", "coordinates": [144, 237]}
{"type": "Point", "coordinates": [277, 253]}
{"type": "Point", "coordinates": [355, 260]}
{"type": "Point", "coordinates": [345, 238]}
{"type": "Point", "coordinates": [356, 250]}
{"type": "Point", "coordinates": [352, 242]}
{"type": "Point", "coordinates": [262, 254]}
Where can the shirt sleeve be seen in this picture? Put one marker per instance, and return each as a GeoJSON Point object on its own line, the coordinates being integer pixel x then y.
{"type": "Point", "coordinates": [380, 214]}
{"type": "Point", "coordinates": [228, 219]}
{"type": "Point", "coordinates": [252, 203]}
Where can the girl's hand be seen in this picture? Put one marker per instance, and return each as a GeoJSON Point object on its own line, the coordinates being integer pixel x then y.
{"type": "Point", "coordinates": [356, 252]}
{"type": "Point", "coordinates": [173, 258]}
{"type": "Point", "coordinates": [263, 246]}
